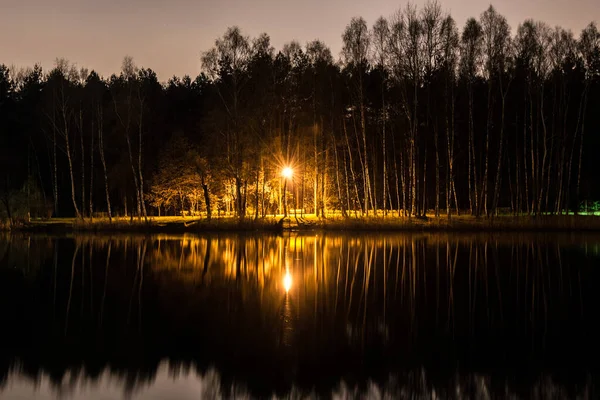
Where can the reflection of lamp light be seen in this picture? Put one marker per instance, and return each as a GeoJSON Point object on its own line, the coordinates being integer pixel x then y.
{"type": "Point", "coordinates": [287, 282]}
{"type": "Point", "coordinates": [287, 172]}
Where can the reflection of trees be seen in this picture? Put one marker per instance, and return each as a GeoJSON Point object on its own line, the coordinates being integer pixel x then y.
{"type": "Point", "coordinates": [415, 384]}
{"type": "Point", "coordinates": [360, 309]}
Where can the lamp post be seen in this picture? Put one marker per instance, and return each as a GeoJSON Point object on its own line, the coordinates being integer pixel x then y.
{"type": "Point", "coordinates": [287, 173]}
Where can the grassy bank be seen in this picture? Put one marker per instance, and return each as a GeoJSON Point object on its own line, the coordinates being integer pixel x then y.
{"type": "Point", "coordinates": [467, 223]}
{"type": "Point", "coordinates": [151, 225]}
{"type": "Point", "coordinates": [334, 223]}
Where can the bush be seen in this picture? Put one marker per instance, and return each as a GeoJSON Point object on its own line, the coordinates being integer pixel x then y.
{"type": "Point", "coordinates": [24, 205]}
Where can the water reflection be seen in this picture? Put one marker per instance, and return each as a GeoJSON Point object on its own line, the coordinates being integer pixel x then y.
{"type": "Point", "coordinates": [287, 281]}
{"type": "Point", "coordinates": [333, 315]}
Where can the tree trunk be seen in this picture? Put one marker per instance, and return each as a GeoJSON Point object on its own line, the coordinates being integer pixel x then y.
{"type": "Point", "coordinates": [207, 200]}
{"type": "Point", "coordinates": [352, 169]}
{"type": "Point", "coordinates": [103, 160]}
{"type": "Point", "coordinates": [262, 197]}
{"type": "Point", "coordinates": [384, 152]}
{"type": "Point", "coordinates": [303, 184]}
{"type": "Point", "coordinates": [497, 183]}
{"type": "Point", "coordinates": [69, 158]}
{"type": "Point", "coordinates": [368, 192]}
{"type": "Point", "coordinates": [83, 205]}
{"type": "Point", "coordinates": [488, 128]}
{"type": "Point", "coordinates": [135, 175]}
{"type": "Point", "coordinates": [6, 199]}
{"type": "Point", "coordinates": [526, 175]}
{"type": "Point", "coordinates": [581, 136]}
{"type": "Point", "coordinates": [471, 168]}
{"type": "Point", "coordinates": [542, 118]}
{"type": "Point", "coordinates": [126, 126]}
{"type": "Point", "coordinates": [257, 193]}
{"type": "Point", "coordinates": [561, 168]}
{"type": "Point", "coordinates": [349, 208]}
{"type": "Point", "coordinates": [402, 180]}
{"type": "Point", "coordinates": [413, 176]}
{"type": "Point", "coordinates": [570, 167]}
{"type": "Point", "coordinates": [91, 196]}
{"type": "Point", "coordinates": [437, 173]}
{"type": "Point", "coordinates": [365, 201]}
{"type": "Point", "coordinates": [323, 186]}
{"type": "Point", "coordinates": [337, 181]}
{"type": "Point", "coordinates": [285, 207]}
{"type": "Point", "coordinates": [54, 166]}
{"type": "Point", "coordinates": [140, 152]}
{"type": "Point", "coordinates": [450, 143]}
{"type": "Point", "coordinates": [316, 171]}
{"type": "Point", "coordinates": [238, 197]}
{"type": "Point", "coordinates": [424, 210]}
{"type": "Point", "coordinates": [517, 208]}
{"type": "Point", "coordinates": [534, 152]}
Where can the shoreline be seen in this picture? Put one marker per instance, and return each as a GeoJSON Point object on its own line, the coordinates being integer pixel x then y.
{"type": "Point", "coordinates": [551, 223]}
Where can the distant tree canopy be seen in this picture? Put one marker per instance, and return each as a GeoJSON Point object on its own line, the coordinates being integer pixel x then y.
{"type": "Point", "coordinates": [416, 116]}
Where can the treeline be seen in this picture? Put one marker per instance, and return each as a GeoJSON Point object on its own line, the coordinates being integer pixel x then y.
{"type": "Point", "coordinates": [417, 115]}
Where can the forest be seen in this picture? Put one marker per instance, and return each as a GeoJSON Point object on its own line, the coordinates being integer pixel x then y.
{"type": "Point", "coordinates": [416, 115]}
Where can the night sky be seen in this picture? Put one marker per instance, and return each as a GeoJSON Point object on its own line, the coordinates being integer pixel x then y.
{"type": "Point", "coordinates": [168, 36]}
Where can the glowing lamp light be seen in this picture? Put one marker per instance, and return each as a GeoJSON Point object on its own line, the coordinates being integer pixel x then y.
{"type": "Point", "coordinates": [287, 172]}
{"type": "Point", "coordinates": [287, 282]}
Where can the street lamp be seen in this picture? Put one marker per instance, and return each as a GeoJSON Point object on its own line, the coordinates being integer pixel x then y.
{"type": "Point", "coordinates": [287, 173]}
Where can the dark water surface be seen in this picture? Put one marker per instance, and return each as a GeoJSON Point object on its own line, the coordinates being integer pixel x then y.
{"type": "Point", "coordinates": [321, 315]}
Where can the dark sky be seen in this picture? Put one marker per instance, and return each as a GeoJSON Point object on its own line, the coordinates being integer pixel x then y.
{"type": "Point", "coordinates": [169, 35]}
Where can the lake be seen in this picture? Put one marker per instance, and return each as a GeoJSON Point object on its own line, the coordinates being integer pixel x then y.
{"type": "Point", "coordinates": [308, 315]}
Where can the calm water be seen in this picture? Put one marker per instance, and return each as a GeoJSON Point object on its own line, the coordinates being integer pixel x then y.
{"type": "Point", "coordinates": [342, 316]}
